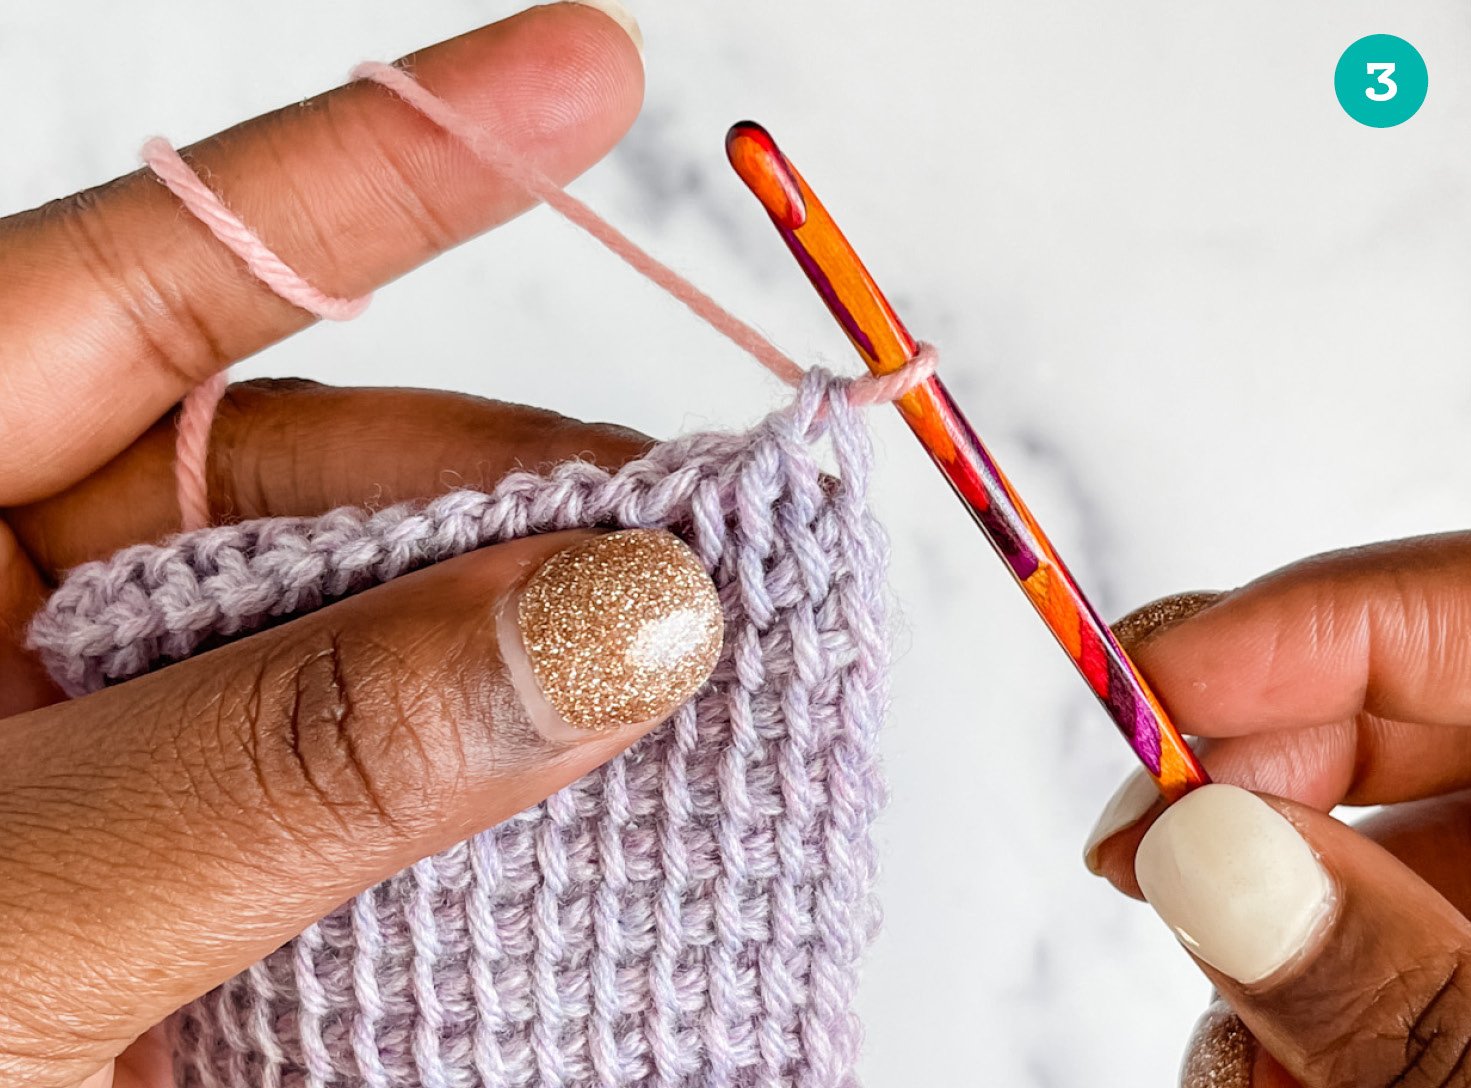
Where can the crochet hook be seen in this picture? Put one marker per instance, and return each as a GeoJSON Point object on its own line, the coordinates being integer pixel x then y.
{"type": "Point", "coordinates": [885, 345]}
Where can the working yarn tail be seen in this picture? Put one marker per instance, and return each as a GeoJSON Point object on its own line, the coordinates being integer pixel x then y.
{"type": "Point", "coordinates": [271, 270]}
{"type": "Point", "coordinates": [191, 453]}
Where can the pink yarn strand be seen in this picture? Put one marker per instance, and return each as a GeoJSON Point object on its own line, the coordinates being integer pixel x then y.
{"type": "Point", "coordinates": [199, 407]}
{"type": "Point", "coordinates": [197, 415]}
{"type": "Point", "coordinates": [271, 270]}
{"type": "Point", "coordinates": [483, 146]}
{"type": "Point", "coordinates": [191, 454]}
{"type": "Point", "coordinates": [887, 388]}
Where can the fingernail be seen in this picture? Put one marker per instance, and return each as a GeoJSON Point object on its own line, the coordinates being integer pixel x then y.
{"type": "Point", "coordinates": [615, 10]}
{"type": "Point", "coordinates": [617, 630]}
{"type": "Point", "coordinates": [1153, 618]}
{"type": "Point", "coordinates": [1129, 803]}
{"type": "Point", "coordinates": [1221, 1051]}
{"type": "Point", "coordinates": [1234, 880]}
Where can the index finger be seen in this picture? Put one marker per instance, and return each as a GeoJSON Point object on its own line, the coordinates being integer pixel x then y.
{"type": "Point", "coordinates": [115, 302]}
{"type": "Point", "coordinates": [1379, 630]}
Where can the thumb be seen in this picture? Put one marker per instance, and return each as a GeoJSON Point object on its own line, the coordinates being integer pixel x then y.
{"type": "Point", "coordinates": [1345, 965]}
{"type": "Point", "coordinates": [162, 835]}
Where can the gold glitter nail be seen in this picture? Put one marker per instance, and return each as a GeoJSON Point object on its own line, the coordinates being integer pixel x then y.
{"type": "Point", "coordinates": [1154, 617]}
{"type": "Point", "coordinates": [1221, 1052]}
{"type": "Point", "coordinates": [620, 629]}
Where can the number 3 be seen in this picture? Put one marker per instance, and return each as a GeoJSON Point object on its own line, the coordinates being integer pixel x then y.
{"type": "Point", "coordinates": [1384, 74]}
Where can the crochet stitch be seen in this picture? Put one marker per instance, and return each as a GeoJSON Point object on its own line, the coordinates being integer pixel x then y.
{"type": "Point", "coordinates": [692, 914]}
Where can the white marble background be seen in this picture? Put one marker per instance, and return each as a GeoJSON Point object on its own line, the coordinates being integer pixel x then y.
{"type": "Point", "coordinates": [1207, 323]}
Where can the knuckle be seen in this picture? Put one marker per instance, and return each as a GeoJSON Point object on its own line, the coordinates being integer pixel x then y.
{"type": "Point", "coordinates": [329, 729]}
{"type": "Point", "coordinates": [401, 184]}
{"type": "Point", "coordinates": [172, 335]}
{"type": "Point", "coordinates": [1412, 1032]}
{"type": "Point", "coordinates": [1437, 1036]}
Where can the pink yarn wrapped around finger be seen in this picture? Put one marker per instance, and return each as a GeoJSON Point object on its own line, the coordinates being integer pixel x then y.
{"type": "Point", "coordinates": [197, 415]}
{"type": "Point", "coordinates": [206, 206]}
{"type": "Point", "coordinates": [263, 263]}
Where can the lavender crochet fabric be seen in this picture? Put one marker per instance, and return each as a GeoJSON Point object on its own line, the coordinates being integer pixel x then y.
{"type": "Point", "coordinates": [690, 915]}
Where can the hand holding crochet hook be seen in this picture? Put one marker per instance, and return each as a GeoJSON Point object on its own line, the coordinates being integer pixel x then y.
{"type": "Point", "coordinates": [127, 888]}
{"type": "Point", "coordinates": [1337, 681]}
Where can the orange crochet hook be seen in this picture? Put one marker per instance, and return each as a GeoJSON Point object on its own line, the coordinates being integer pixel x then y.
{"type": "Point", "coordinates": [885, 345]}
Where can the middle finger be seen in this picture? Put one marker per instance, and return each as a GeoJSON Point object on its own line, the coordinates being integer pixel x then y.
{"type": "Point", "coordinates": [296, 448]}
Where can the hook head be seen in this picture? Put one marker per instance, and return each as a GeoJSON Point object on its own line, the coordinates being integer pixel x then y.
{"type": "Point", "coordinates": [766, 172]}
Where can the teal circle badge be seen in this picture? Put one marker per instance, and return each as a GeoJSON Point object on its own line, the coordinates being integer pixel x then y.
{"type": "Point", "coordinates": [1381, 81]}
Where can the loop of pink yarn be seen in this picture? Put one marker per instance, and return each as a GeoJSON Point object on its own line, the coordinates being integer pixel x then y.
{"type": "Point", "coordinates": [887, 388]}
{"type": "Point", "coordinates": [197, 415]}
{"type": "Point", "coordinates": [171, 169]}
{"type": "Point", "coordinates": [201, 201]}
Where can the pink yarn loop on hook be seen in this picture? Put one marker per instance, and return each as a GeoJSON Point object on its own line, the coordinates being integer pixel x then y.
{"type": "Point", "coordinates": [887, 388]}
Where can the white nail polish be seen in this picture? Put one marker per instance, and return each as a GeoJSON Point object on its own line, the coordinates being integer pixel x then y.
{"type": "Point", "coordinates": [615, 10]}
{"type": "Point", "coordinates": [1234, 880]}
{"type": "Point", "coordinates": [1131, 801]}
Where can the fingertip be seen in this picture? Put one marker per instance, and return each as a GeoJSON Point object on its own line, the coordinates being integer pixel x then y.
{"type": "Point", "coordinates": [1152, 619]}
{"type": "Point", "coordinates": [1235, 878]}
{"type": "Point", "coordinates": [1221, 671]}
{"type": "Point", "coordinates": [1113, 858]}
{"type": "Point", "coordinates": [1221, 1053]}
{"type": "Point", "coordinates": [615, 10]}
{"type": "Point", "coordinates": [564, 81]}
{"type": "Point", "coordinates": [611, 635]}
{"type": "Point", "coordinates": [1126, 807]}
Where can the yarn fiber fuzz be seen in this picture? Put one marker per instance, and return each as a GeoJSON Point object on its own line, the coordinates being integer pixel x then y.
{"type": "Point", "coordinates": [690, 915]}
